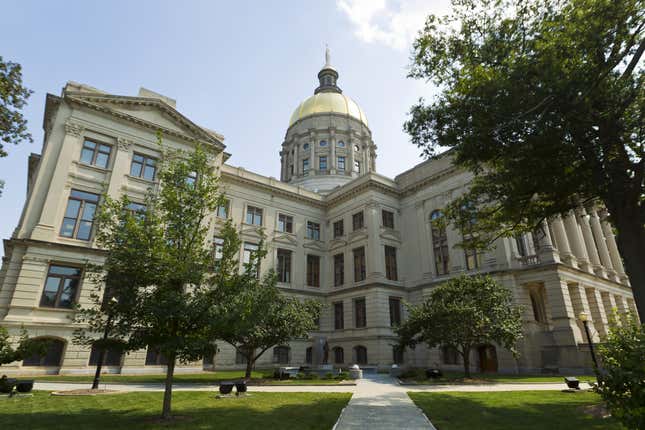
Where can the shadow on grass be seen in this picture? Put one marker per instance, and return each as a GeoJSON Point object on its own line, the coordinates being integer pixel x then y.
{"type": "Point", "coordinates": [526, 410]}
{"type": "Point", "coordinates": [198, 410]}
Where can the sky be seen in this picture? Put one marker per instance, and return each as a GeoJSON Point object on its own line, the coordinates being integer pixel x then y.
{"type": "Point", "coordinates": [237, 67]}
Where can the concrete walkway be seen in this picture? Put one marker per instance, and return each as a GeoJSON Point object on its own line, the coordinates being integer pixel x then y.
{"type": "Point", "coordinates": [379, 402]}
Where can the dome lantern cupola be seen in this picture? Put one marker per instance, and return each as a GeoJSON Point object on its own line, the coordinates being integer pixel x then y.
{"type": "Point", "coordinates": [328, 77]}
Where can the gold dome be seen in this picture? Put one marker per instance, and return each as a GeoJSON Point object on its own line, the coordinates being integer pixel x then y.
{"type": "Point", "coordinates": [328, 102]}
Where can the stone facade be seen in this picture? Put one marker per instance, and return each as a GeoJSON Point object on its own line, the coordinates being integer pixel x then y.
{"type": "Point", "coordinates": [388, 249]}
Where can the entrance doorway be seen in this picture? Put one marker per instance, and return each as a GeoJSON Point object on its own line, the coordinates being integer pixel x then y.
{"type": "Point", "coordinates": [487, 358]}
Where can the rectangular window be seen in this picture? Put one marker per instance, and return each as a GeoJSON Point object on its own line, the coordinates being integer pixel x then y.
{"type": "Point", "coordinates": [313, 230]}
{"type": "Point", "coordinates": [79, 215]}
{"type": "Point", "coordinates": [61, 286]}
{"type": "Point", "coordinates": [388, 219]}
{"type": "Point", "coordinates": [112, 358]}
{"type": "Point", "coordinates": [284, 265]}
{"type": "Point", "coordinates": [473, 259]}
{"type": "Point", "coordinates": [359, 312]}
{"type": "Point", "coordinates": [339, 228]}
{"type": "Point", "coordinates": [395, 311]}
{"type": "Point", "coordinates": [143, 166]}
{"type": "Point", "coordinates": [155, 358]}
{"type": "Point", "coordinates": [222, 209]}
{"type": "Point", "coordinates": [390, 263]}
{"type": "Point", "coordinates": [322, 163]}
{"type": "Point", "coordinates": [218, 248]}
{"type": "Point", "coordinates": [357, 166]}
{"type": "Point", "coordinates": [359, 264]}
{"type": "Point", "coordinates": [95, 154]}
{"type": "Point", "coordinates": [253, 215]}
{"type": "Point", "coordinates": [313, 270]}
{"type": "Point", "coordinates": [341, 163]}
{"type": "Point", "coordinates": [291, 169]}
{"type": "Point", "coordinates": [339, 269]}
{"type": "Point", "coordinates": [305, 165]}
{"type": "Point", "coordinates": [358, 221]}
{"type": "Point", "coordinates": [285, 223]}
{"type": "Point", "coordinates": [191, 179]}
{"type": "Point", "coordinates": [339, 316]}
{"type": "Point", "coordinates": [249, 250]}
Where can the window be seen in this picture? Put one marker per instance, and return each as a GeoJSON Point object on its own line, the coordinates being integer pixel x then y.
{"type": "Point", "coordinates": [359, 264]}
{"type": "Point", "coordinates": [60, 287]}
{"type": "Point", "coordinates": [450, 355]}
{"type": "Point", "coordinates": [155, 358]}
{"type": "Point", "coordinates": [112, 358]}
{"type": "Point", "coordinates": [291, 169]}
{"type": "Point", "coordinates": [537, 303]}
{"type": "Point", "coordinates": [285, 223]}
{"type": "Point", "coordinates": [357, 166]}
{"type": "Point", "coordinates": [143, 167]}
{"type": "Point", "coordinates": [521, 245]}
{"type": "Point", "coordinates": [339, 228]}
{"type": "Point", "coordinates": [473, 258]}
{"type": "Point", "coordinates": [397, 354]}
{"type": "Point", "coordinates": [136, 209]}
{"type": "Point", "coordinates": [361, 354]}
{"type": "Point", "coordinates": [395, 311]}
{"type": "Point", "coordinates": [358, 221]}
{"type": "Point", "coordinates": [305, 146]}
{"type": "Point", "coordinates": [95, 154]}
{"type": "Point", "coordinates": [284, 265]}
{"type": "Point", "coordinates": [309, 352]}
{"type": "Point", "coordinates": [322, 163]}
{"type": "Point", "coordinates": [239, 357]}
{"type": "Point", "coordinates": [218, 248]}
{"type": "Point", "coordinates": [79, 215]}
{"type": "Point", "coordinates": [281, 354]}
{"type": "Point", "coordinates": [390, 263]}
{"type": "Point", "coordinates": [323, 143]}
{"type": "Point", "coordinates": [222, 209]}
{"type": "Point", "coordinates": [53, 355]}
{"type": "Point", "coordinates": [388, 219]}
{"type": "Point", "coordinates": [339, 355]}
{"type": "Point", "coordinates": [341, 163]}
{"type": "Point", "coordinates": [340, 144]}
{"type": "Point", "coordinates": [249, 250]}
{"type": "Point", "coordinates": [191, 179]}
{"type": "Point", "coordinates": [313, 270]}
{"type": "Point", "coordinates": [339, 316]}
{"type": "Point", "coordinates": [360, 319]}
{"type": "Point", "coordinates": [253, 215]}
{"type": "Point", "coordinates": [339, 269]}
{"type": "Point", "coordinates": [313, 230]}
{"type": "Point", "coordinates": [305, 165]}
{"type": "Point", "coordinates": [439, 243]}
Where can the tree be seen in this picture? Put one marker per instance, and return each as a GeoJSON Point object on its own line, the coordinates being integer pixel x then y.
{"type": "Point", "coordinates": [543, 101]}
{"type": "Point", "coordinates": [26, 347]}
{"type": "Point", "coordinates": [620, 380]}
{"type": "Point", "coordinates": [463, 313]}
{"type": "Point", "coordinates": [260, 316]}
{"type": "Point", "coordinates": [13, 97]}
{"type": "Point", "coordinates": [159, 264]}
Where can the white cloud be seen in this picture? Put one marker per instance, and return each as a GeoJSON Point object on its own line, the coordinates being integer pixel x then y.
{"type": "Point", "coordinates": [394, 23]}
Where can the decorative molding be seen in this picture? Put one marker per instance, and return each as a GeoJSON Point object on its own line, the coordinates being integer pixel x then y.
{"type": "Point", "coordinates": [124, 144]}
{"type": "Point", "coordinates": [74, 128]}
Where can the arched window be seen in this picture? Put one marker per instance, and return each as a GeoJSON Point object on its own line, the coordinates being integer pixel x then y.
{"type": "Point", "coordinates": [439, 243]}
{"type": "Point", "coordinates": [281, 354]}
{"type": "Point", "coordinates": [323, 143]}
{"type": "Point", "coordinates": [339, 355]}
{"type": "Point", "coordinates": [340, 144]}
{"type": "Point", "coordinates": [112, 358]}
{"type": "Point", "coordinates": [155, 358]}
{"type": "Point", "coordinates": [309, 355]}
{"type": "Point", "coordinates": [305, 146]}
{"type": "Point", "coordinates": [53, 356]}
{"type": "Point", "coordinates": [360, 353]}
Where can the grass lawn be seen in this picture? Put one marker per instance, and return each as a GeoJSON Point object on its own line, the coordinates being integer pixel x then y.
{"type": "Point", "coordinates": [196, 378]}
{"type": "Point", "coordinates": [197, 410]}
{"type": "Point", "coordinates": [526, 410]}
{"type": "Point", "coordinates": [456, 377]}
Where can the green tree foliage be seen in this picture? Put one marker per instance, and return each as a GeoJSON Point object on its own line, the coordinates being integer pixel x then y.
{"type": "Point", "coordinates": [260, 316]}
{"type": "Point", "coordinates": [621, 380]}
{"type": "Point", "coordinates": [159, 266]}
{"type": "Point", "coordinates": [463, 313]}
{"type": "Point", "coordinates": [26, 347]}
{"type": "Point", "coordinates": [13, 97]}
{"type": "Point", "coordinates": [543, 101]}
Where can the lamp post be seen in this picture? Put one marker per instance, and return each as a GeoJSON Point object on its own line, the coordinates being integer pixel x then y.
{"type": "Point", "coordinates": [585, 322]}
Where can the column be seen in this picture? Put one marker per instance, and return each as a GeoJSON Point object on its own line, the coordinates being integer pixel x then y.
{"type": "Point", "coordinates": [332, 162]}
{"type": "Point", "coordinates": [621, 304]}
{"type": "Point", "coordinates": [545, 243]}
{"type": "Point", "coordinates": [590, 243]}
{"type": "Point", "coordinates": [313, 167]}
{"type": "Point", "coordinates": [598, 314]}
{"type": "Point", "coordinates": [579, 302]}
{"type": "Point", "coordinates": [616, 260]}
{"type": "Point", "coordinates": [375, 252]}
{"type": "Point", "coordinates": [603, 251]}
{"type": "Point", "coordinates": [562, 241]}
{"type": "Point", "coordinates": [575, 240]}
{"type": "Point", "coordinates": [297, 168]}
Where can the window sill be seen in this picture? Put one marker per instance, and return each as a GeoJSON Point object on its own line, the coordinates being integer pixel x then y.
{"type": "Point", "coordinates": [50, 309]}
{"type": "Point", "coordinates": [93, 167]}
{"type": "Point", "coordinates": [142, 180]}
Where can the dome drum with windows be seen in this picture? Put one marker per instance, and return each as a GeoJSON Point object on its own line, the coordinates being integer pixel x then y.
{"type": "Point", "coordinates": [328, 141]}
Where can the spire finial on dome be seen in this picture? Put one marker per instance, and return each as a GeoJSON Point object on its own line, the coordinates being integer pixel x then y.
{"type": "Point", "coordinates": [328, 76]}
{"type": "Point", "coordinates": [327, 56]}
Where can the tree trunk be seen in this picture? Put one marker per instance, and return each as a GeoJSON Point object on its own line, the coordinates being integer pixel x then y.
{"type": "Point", "coordinates": [250, 360]}
{"type": "Point", "coordinates": [167, 395]}
{"type": "Point", "coordinates": [631, 243]}
{"type": "Point", "coordinates": [466, 357]}
{"type": "Point", "coordinates": [99, 366]}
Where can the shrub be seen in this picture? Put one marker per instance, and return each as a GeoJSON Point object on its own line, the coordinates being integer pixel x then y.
{"type": "Point", "coordinates": [329, 375]}
{"type": "Point", "coordinates": [620, 381]}
{"type": "Point", "coordinates": [342, 375]}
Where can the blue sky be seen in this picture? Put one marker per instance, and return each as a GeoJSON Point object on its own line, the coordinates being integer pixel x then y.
{"type": "Point", "coordinates": [237, 67]}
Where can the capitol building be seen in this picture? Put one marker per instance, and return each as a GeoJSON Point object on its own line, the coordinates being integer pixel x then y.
{"type": "Point", "coordinates": [337, 231]}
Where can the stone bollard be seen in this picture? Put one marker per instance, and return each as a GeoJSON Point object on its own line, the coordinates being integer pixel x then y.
{"type": "Point", "coordinates": [355, 372]}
